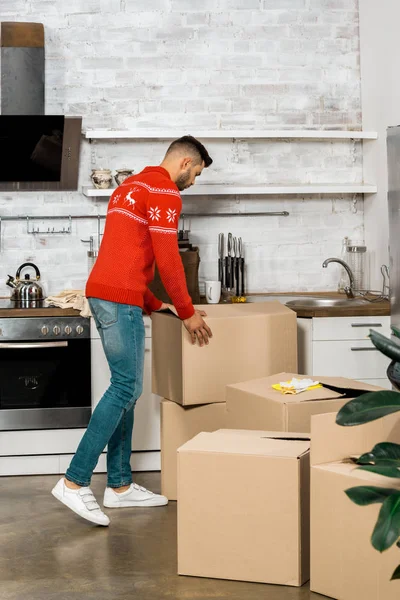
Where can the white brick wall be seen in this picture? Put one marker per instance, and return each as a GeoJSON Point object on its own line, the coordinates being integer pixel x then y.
{"type": "Point", "coordinates": [218, 63]}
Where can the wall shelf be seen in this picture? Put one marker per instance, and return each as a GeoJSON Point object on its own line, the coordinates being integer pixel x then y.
{"type": "Point", "coordinates": [300, 134]}
{"type": "Point", "coordinates": [261, 190]}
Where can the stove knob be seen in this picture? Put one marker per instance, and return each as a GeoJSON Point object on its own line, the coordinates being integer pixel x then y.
{"type": "Point", "coordinates": [79, 329]}
{"type": "Point", "coordinates": [56, 330]}
{"type": "Point", "coordinates": [68, 330]}
{"type": "Point", "coordinates": [45, 330]}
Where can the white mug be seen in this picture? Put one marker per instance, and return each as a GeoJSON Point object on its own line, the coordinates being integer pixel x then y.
{"type": "Point", "coordinates": [213, 292]}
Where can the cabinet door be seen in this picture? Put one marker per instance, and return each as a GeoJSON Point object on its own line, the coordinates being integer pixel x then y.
{"type": "Point", "coordinates": [356, 359]}
{"type": "Point", "coordinates": [146, 431]}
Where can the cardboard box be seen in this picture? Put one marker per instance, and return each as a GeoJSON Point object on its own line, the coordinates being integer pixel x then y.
{"type": "Point", "coordinates": [180, 424]}
{"type": "Point", "coordinates": [344, 565]}
{"type": "Point", "coordinates": [249, 341]}
{"type": "Point", "coordinates": [256, 405]}
{"type": "Point", "coordinates": [243, 509]}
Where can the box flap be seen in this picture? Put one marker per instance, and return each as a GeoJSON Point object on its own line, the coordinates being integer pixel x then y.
{"type": "Point", "coordinates": [263, 387]}
{"type": "Point", "coordinates": [365, 477]}
{"type": "Point", "coordinates": [331, 442]}
{"type": "Point", "coordinates": [218, 311]}
{"type": "Point", "coordinates": [259, 443]}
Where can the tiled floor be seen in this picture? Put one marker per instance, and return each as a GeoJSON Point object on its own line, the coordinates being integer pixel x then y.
{"type": "Point", "coordinates": [48, 553]}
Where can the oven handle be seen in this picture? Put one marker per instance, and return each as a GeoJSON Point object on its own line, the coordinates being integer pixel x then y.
{"type": "Point", "coordinates": [31, 345]}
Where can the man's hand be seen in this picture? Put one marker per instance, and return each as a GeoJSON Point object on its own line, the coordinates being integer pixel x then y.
{"type": "Point", "coordinates": [198, 328]}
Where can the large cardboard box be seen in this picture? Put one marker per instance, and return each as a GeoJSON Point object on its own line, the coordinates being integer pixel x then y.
{"type": "Point", "coordinates": [243, 507]}
{"type": "Point", "coordinates": [344, 565]}
{"type": "Point", "coordinates": [256, 405]}
{"type": "Point", "coordinates": [180, 424]}
{"type": "Point", "coordinates": [249, 341]}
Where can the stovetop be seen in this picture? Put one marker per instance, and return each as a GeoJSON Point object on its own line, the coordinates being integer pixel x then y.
{"type": "Point", "coordinates": [6, 303]}
{"type": "Point", "coordinates": [42, 323]}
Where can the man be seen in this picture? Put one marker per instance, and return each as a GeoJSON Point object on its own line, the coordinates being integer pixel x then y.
{"type": "Point", "coordinates": [141, 228]}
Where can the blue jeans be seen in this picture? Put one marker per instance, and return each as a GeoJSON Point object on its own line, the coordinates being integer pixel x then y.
{"type": "Point", "coordinates": [122, 333]}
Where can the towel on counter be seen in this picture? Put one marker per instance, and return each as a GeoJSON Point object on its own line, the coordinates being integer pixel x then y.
{"type": "Point", "coordinates": [296, 386]}
{"type": "Point", "coordinates": [71, 299]}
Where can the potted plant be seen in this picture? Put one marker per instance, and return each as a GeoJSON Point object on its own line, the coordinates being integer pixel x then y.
{"type": "Point", "coordinates": [384, 458]}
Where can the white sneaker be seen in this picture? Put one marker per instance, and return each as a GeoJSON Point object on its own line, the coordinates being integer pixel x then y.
{"type": "Point", "coordinates": [81, 501]}
{"type": "Point", "coordinates": [135, 496]}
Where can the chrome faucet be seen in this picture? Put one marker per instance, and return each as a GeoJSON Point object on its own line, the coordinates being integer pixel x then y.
{"type": "Point", "coordinates": [348, 289]}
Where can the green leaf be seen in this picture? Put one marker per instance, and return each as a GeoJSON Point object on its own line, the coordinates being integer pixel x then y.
{"type": "Point", "coordinates": [363, 495]}
{"type": "Point", "coordinates": [387, 346]}
{"type": "Point", "coordinates": [395, 330]}
{"type": "Point", "coordinates": [385, 470]}
{"type": "Point", "coordinates": [396, 574]}
{"type": "Point", "coordinates": [387, 528]}
{"type": "Point", "coordinates": [368, 407]}
{"type": "Point", "coordinates": [384, 451]}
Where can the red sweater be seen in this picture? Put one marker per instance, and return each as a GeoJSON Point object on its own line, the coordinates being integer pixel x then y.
{"type": "Point", "coordinates": [141, 227]}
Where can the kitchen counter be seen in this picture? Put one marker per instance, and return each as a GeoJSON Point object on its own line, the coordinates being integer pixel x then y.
{"type": "Point", "coordinates": [376, 309]}
{"type": "Point", "coordinates": [10, 311]}
{"type": "Point", "coordinates": [381, 309]}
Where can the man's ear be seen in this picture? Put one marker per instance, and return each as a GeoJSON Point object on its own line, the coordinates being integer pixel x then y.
{"type": "Point", "coordinates": [186, 162]}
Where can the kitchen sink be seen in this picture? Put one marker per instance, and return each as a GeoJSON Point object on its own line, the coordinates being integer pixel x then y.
{"type": "Point", "coordinates": [325, 302]}
{"type": "Point", "coordinates": [311, 301]}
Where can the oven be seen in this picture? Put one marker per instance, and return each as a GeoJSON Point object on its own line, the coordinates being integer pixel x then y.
{"type": "Point", "coordinates": [45, 373]}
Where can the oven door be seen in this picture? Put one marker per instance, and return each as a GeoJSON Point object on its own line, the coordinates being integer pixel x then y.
{"type": "Point", "coordinates": [45, 385]}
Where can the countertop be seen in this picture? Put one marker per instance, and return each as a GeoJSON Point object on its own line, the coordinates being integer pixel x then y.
{"type": "Point", "coordinates": [377, 309]}
{"type": "Point", "coordinates": [50, 311]}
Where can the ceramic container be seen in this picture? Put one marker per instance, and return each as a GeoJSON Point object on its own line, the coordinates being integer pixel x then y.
{"type": "Point", "coordinates": [122, 174]}
{"type": "Point", "coordinates": [101, 178]}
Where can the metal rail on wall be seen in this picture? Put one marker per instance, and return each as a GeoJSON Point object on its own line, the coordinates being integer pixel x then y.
{"type": "Point", "coordinates": [29, 219]}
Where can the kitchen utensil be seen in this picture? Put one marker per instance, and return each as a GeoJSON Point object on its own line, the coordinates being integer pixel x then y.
{"type": "Point", "coordinates": [221, 258]}
{"type": "Point", "coordinates": [234, 262]}
{"type": "Point", "coordinates": [241, 268]}
{"type": "Point", "coordinates": [213, 292]}
{"type": "Point", "coordinates": [27, 290]}
{"type": "Point", "coordinates": [228, 263]}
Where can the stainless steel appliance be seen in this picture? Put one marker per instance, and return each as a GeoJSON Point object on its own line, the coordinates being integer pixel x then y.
{"type": "Point", "coordinates": [393, 152]}
{"type": "Point", "coordinates": [45, 380]}
{"type": "Point", "coordinates": [28, 291]}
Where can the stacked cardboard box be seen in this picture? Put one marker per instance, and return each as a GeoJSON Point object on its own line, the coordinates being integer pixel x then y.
{"type": "Point", "coordinates": [249, 341]}
{"type": "Point", "coordinates": [344, 565]}
{"type": "Point", "coordinates": [257, 405]}
{"type": "Point", "coordinates": [243, 510]}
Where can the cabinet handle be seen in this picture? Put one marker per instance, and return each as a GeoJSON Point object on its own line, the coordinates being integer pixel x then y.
{"type": "Point", "coordinates": [364, 349]}
{"type": "Point", "coordinates": [366, 324]}
{"type": "Point", "coordinates": [147, 350]}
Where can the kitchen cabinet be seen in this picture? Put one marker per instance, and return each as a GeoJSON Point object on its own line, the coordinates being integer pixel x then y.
{"type": "Point", "coordinates": [339, 346]}
{"type": "Point", "coordinates": [146, 431]}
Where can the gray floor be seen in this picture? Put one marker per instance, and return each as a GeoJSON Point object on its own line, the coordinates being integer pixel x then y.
{"type": "Point", "coordinates": [46, 552]}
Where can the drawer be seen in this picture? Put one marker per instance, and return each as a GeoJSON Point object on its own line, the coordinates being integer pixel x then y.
{"type": "Point", "coordinates": [348, 328]}
{"type": "Point", "coordinates": [358, 359]}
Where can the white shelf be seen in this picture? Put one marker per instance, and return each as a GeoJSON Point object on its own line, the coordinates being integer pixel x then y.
{"type": "Point", "coordinates": [265, 190]}
{"type": "Point", "coordinates": [305, 134]}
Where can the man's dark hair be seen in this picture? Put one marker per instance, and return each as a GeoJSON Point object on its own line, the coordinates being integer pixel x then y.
{"type": "Point", "coordinates": [193, 147]}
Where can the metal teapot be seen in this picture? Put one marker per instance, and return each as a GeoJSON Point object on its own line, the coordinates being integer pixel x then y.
{"type": "Point", "coordinates": [26, 291]}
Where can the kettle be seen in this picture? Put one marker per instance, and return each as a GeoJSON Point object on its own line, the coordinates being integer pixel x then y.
{"type": "Point", "coordinates": [27, 290]}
